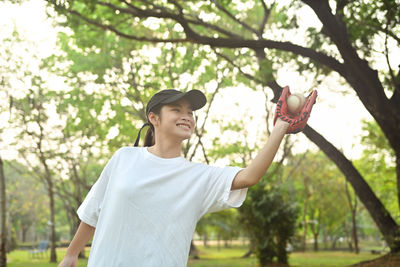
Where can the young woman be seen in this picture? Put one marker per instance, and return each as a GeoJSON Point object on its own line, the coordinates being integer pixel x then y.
{"type": "Point", "coordinates": [144, 207]}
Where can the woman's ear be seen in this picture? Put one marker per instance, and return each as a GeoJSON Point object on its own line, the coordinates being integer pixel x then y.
{"type": "Point", "coordinates": [153, 118]}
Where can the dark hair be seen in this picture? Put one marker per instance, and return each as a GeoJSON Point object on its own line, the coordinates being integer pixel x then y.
{"type": "Point", "coordinates": [150, 138]}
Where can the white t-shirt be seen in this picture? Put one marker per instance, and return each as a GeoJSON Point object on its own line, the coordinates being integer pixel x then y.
{"type": "Point", "coordinates": [145, 208]}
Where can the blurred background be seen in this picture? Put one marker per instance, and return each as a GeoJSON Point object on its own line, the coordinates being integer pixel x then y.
{"type": "Point", "coordinates": [76, 76]}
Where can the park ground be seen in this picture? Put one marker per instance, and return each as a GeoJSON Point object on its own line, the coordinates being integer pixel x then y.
{"type": "Point", "coordinates": [229, 257]}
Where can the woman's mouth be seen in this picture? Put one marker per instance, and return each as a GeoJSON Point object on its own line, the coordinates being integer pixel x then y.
{"type": "Point", "coordinates": [184, 126]}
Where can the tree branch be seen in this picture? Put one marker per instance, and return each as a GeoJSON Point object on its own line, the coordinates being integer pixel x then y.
{"type": "Point", "coordinates": [267, 13]}
{"type": "Point", "coordinates": [390, 33]}
{"type": "Point", "coordinates": [340, 5]}
{"type": "Point", "coordinates": [124, 35]}
{"type": "Point", "coordinates": [230, 61]}
{"type": "Point", "coordinates": [193, 37]}
{"type": "Point", "coordinates": [199, 132]}
{"type": "Point", "coordinates": [167, 14]}
{"type": "Point", "coordinates": [204, 152]}
{"type": "Point", "coordinates": [391, 73]}
{"type": "Point", "coordinates": [275, 87]}
{"type": "Point", "coordinates": [142, 13]}
{"type": "Point", "coordinates": [229, 14]}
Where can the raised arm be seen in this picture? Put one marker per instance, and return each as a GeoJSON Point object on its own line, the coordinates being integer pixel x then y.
{"type": "Point", "coordinates": [83, 235]}
{"type": "Point", "coordinates": [259, 165]}
{"type": "Point", "coordinates": [284, 123]}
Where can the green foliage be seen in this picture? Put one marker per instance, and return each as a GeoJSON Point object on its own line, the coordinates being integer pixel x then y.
{"type": "Point", "coordinates": [27, 203]}
{"type": "Point", "coordinates": [270, 219]}
{"type": "Point", "coordinates": [376, 142]}
{"type": "Point", "coordinates": [366, 19]}
{"type": "Point", "coordinates": [123, 27]}
{"type": "Point", "coordinates": [319, 188]}
{"type": "Point", "coordinates": [221, 225]}
{"type": "Point", "coordinates": [266, 71]}
{"type": "Point", "coordinates": [369, 22]}
{"type": "Point", "coordinates": [377, 165]}
{"type": "Point", "coordinates": [12, 243]}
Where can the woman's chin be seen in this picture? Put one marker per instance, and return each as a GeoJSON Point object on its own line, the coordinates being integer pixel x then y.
{"type": "Point", "coordinates": [185, 136]}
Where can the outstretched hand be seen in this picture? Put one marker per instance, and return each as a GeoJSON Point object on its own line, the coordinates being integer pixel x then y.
{"type": "Point", "coordinates": [296, 122]}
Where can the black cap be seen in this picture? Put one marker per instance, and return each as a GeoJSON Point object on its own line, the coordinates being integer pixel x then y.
{"type": "Point", "coordinates": [196, 99]}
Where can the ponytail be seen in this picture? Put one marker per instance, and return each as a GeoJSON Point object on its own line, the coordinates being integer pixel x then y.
{"type": "Point", "coordinates": [149, 139]}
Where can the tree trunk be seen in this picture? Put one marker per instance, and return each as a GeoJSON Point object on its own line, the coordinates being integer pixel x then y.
{"type": "Point", "coordinates": [304, 237]}
{"type": "Point", "coordinates": [354, 232]}
{"type": "Point", "coordinates": [386, 224]}
{"type": "Point", "coordinates": [353, 209]}
{"type": "Point", "coordinates": [205, 239]}
{"type": "Point", "coordinates": [48, 180]}
{"type": "Point", "coordinates": [24, 232]}
{"type": "Point", "coordinates": [193, 251]}
{"type": "Point", "coordinates": [315, 236]}
{"type": "Point", "coordinates": [50, 190]}
{"type": "Point", "coordinates": [398, 176]}
{"type": "Point", "coordinates": [350, 243]}
{"type": "Point", "coordinates": [226, 243]}
{"type": "Point", "coordinates": [335, 239]}
{"type": "Point", "coordinates": [3, 241]}
{"type": "Point", "coordinates": [325, 236]}
{"type": "Point", "coordinates": [315, 241]}
{"type": "Point", "coordinates": [305, 225]}
{"type": "Point", "coordinates": [251, 249]}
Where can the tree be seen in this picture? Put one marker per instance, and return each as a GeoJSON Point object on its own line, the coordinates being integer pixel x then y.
{"type": "Point", "coordinates": [319, 189]}
{"type": "Point", "coordinates": [271, 221]}
{"type": "Point", "coordinates": [353, 209]}
{"type": "Point", "coordinates": [3, 237]}
{"type": "Point", "coordinates": [33, 118]}
{"type": "Point", "coordinates": [3, 208]}
{"type": "Point", "coordinates": [378, 165]}
{"type": "Point", "coordinates": [239, 33]}
{"type": "Point", "coordinates": [29, 114]}
{"type": "Point", "coordinates": [223, 225]}
{"type": "Point", "coordinates": [27, 209]}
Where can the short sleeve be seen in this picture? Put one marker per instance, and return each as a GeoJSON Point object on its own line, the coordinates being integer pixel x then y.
{"type": "Point", "coordinates": [89, 210]}
{"type": "Point", "coordinates": [218, 195]}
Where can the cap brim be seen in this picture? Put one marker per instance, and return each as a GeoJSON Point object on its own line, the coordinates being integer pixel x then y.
{"type": "Point", "coordinates": [195, 97]}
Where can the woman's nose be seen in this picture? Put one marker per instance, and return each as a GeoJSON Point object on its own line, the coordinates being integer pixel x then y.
{"type": "Point", "coordinates": [187, 118]}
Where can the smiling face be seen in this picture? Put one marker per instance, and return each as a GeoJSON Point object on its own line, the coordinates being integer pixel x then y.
{"type": "Point", "coordinates": [175, 121]}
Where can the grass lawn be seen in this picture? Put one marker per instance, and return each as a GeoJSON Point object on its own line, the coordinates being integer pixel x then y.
{"type": "Point", "coordinates": [22, 258]}
{"type": "Point", "coordinates": [231, 257]}
{"type": "Point", "coordinates": [211, 257]}
{"type": "Point", "coordinates": [330, 258]}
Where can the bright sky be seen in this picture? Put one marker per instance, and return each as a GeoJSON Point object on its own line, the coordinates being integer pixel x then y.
{"type": "Point", "coordinates": [336, 117]}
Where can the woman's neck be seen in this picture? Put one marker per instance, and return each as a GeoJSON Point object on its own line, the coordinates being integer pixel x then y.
{"type": "Point", "coordinates": [165, 150]}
